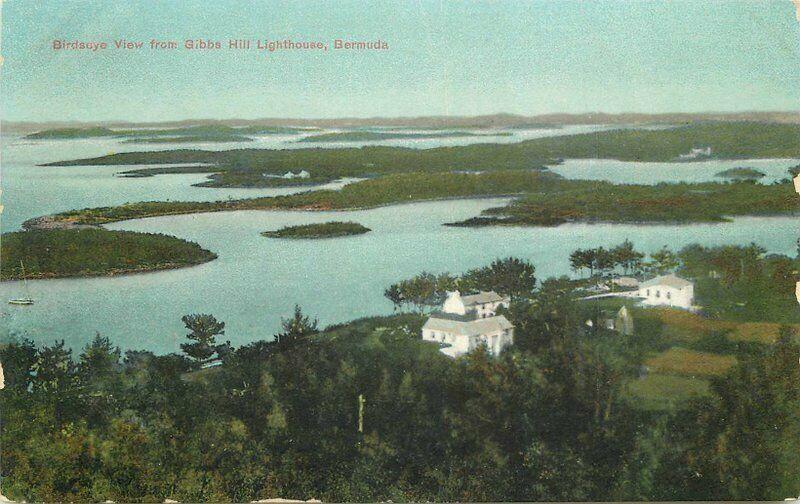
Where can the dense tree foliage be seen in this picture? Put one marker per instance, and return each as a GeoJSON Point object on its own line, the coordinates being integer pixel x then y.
{"type": "Point", "coordinates": [509, 276]}
{"type": "Point", "coordinates": [551, 418]}
{"type": "Point", "coordinates": [322, 230]}
{"type": "Point", "coordinates": [667, 203]}
{"type": "Point", "coordinates": [741, 173]}
{"type": "Point", "coordinates": [93, 251]}
{"type": "Point", "coordinates": [203, 331]}
{"type": "Point", "coordinates": [426, 290]}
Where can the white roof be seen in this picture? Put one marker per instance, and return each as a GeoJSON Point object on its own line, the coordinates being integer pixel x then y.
{"type": "Point", "coordinates": [482, 298]}
{"type": "Point", "coordinates": [475, 327]}
{"type": "Point", "coordinates": [626, 281]}
{"type": "Point", "coordinates": [667, 280]}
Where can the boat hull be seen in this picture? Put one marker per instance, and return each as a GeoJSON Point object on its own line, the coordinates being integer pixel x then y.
{"type": "Point", "coordinates": [21, 302]}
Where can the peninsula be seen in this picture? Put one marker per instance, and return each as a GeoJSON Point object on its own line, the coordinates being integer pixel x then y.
{"type": "Point", "coordinates": [542, 198]}
{"type": "Point", "coordinates": [83, 252]}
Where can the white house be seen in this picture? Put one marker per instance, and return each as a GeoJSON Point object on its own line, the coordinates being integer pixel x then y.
{"type": "Point", "coordinates": [467, 322]}
{"type": "Point", "coordinates": [667, 290]}
{"type": "Point", "coordinates": [484, 304]}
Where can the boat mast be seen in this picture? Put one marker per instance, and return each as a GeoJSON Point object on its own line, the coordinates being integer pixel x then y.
{"type": "Point", "coordinates": [24, 278]}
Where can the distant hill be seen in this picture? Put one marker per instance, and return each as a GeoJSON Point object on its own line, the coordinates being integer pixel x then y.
{"type": "Point", "coordinates": [193, 133]}
{"type": "Point", "coordinates": [433, 122]}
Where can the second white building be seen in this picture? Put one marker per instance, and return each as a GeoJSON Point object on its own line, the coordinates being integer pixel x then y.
{"type": "Point", "coordinates": [667, 290]}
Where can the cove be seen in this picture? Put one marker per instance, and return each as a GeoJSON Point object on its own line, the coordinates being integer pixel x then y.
{"type": "Point", "coordinates": [256, 281]}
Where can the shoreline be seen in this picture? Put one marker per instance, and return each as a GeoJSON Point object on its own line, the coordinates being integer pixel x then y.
{"type": "Point", "coordinates": [111, 273]}
{"type": "Point", "coordinates": [46, 222]}
{"type": "Point", "coordinates": [94, 251]}
{"type": "Point", "coordinates": [51, 223]}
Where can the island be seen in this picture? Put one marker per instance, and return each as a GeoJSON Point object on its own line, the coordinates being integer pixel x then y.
{"type": "Point", "coordinates": [741, 173]}
{"type": "Point", "coordinates": [71, 133]}
{"type": "Point", "coordinates": [256, 167]}
{"type": "Point", "coordinates": [195, 133]}
{"type": "Point", "coordinates": [92, 251]}
{"type": "Point", "coordinates": [366, 136]}
{"type": "Point", "coordinates": [189, 139]}
{"type": "Point", "coordinates": [603, 202]}
{"type": "Point", "coordinates": [316, 231]}
{"type": "Point", "coordinates": [541, 198]}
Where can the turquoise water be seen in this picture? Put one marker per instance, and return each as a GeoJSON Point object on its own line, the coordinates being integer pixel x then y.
{"type": "Point", "coordinates": [256, 280]}
{"type": "Point", "coordinates": [626, 172]}
{"type": "Point", "coordinates": [30, 190]}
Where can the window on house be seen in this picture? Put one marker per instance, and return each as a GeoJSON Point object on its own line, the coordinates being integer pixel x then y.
{"type": "Point", "coordinates": [658, 293]}
{"type": "Point", "coordinates": [648, 292]}
{"type": "Point", "coordinates": [669, 295]}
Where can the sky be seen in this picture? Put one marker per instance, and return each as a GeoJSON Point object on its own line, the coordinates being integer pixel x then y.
{"type": "Point", "coordinates": [444, 58]}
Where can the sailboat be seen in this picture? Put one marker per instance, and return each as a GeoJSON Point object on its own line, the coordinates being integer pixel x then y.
{"type": "Point", "coordinates": [27, 300]}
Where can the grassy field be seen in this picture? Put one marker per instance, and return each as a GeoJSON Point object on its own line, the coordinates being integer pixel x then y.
{"type": "Point", "coordinates": [682, 361]}
{"type": "Point", "coordinates": [92, 252]}
{"type": "Point", "coordinates": [684, 350]}
{"type": "Point", "coordinates": [657, 392]}
{"type": "Point", "coordinates": [685, 328]}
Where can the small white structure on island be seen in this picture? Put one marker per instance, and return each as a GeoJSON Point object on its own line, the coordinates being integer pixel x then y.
{"type": "Point", "coordinates": [667, 290]}
{"type": "Point", "coordinates": [467, 322]}
{"type": "Point", "coordinates": [300, 174]}
{"type": "Point", "coordinates": [288, 175]}
{"type": "Point", "coordinates": [697, 153]}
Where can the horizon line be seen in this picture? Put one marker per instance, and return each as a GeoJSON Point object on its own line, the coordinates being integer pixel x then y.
{"type": "Point", "coordinates": [378, 118]}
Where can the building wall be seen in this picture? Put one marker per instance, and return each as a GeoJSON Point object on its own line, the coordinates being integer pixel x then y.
{"type": "Point", "coordinates": [454, 304]}
{"type": "Point", "coordinates": [495, 342]}
{"type": "Point", "coordinates": [663, 295]}
{"type": "Point", "coordinates": [489, 309]}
